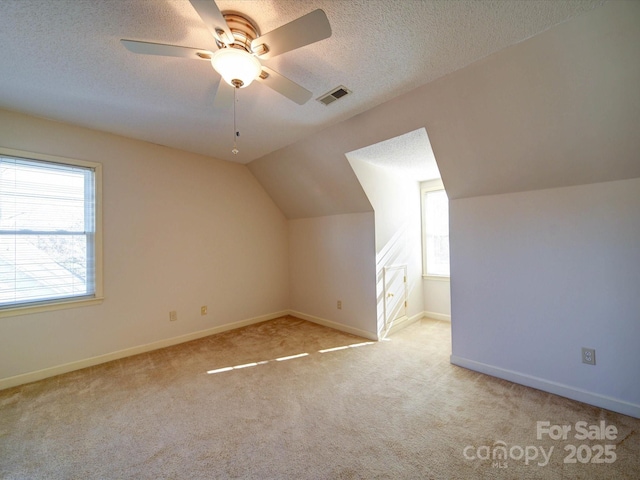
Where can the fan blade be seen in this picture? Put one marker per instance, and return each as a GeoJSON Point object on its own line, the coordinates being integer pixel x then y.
{"type": "Point", "coordinates": [147, 48]}
{"type": "Point", "coordinates": [213, 19]}
{"type": "Point", "coordinates": [284, 86]}
{"type": "Point", "coordinates": [308, 29]}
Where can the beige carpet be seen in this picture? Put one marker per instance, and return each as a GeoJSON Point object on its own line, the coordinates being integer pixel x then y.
{"type": "Point", "coordinates": [394, 409]}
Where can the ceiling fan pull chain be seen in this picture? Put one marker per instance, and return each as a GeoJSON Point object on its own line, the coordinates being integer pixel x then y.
{"type": "Point", "coordinates": [236, 134]}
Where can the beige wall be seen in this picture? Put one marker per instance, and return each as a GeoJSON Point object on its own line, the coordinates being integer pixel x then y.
{"type": "Point", "coordinates": [538, 275]}
{"type": "Point", "coordinates": [333, 258]}
{"type": "Point", "coordinates": [396, 203]}
{"type": "Point", "coordinates": [437, 298]}
{"type": "Point", "coordinates": [180, 231]}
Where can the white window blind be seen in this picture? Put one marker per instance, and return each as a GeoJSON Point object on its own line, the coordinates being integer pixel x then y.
{"type": "Point", "coordinates": [436, 219]}
{"type": "Point", "coordinates": [47, 231]}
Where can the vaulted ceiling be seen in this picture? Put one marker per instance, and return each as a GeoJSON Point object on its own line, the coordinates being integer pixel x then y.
{"type": "Point", "coordinates": [63, 60]}
{"type": "Point", "coordinates": [559, 109]}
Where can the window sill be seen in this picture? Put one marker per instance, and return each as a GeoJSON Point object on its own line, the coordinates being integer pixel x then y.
{"type": "Point", "coordinates": [439, 278]}
{"type": "Point", "coordinates": [47, 307]}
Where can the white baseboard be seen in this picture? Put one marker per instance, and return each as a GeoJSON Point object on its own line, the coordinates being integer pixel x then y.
{"type": "Point", "coordinates": [438, 316]}
{"type": "Point", "coordinates": [567, 391]}
{"type": "Point", "coordinates": [334, 325]}
{"type": "Point", "coordinates": [399, 324]}
{"type": "Point", "coordinates": [89, 362]}
{"type": "Point", "coordinates": [406, 321]}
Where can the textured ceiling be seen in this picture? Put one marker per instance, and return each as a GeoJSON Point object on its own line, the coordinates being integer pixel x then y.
{"type": "Point", "coordinates": [63, 60]}
{"type": "Point", "coordinates": [409, 155]}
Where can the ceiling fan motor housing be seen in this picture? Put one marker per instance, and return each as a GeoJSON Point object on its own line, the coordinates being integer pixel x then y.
{"type": "Point", "coordinates": [243, 29]}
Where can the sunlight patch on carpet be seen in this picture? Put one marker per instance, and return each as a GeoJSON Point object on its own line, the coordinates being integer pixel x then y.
{"type": "Point", "coordinates": [344, 347]}
{"type": "Point", "coordinates": [289, 357]}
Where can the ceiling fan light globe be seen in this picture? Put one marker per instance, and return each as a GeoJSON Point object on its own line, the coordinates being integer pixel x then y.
{"type": "Point", "coordinates": [237, 67]}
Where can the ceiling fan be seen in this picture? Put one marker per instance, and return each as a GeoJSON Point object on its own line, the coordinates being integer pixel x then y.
{"type": "Point", "coordinates": [241, 48]}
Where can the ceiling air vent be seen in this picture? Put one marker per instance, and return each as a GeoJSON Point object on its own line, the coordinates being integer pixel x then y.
{"type": "Point", "coordinates": [334, 95]}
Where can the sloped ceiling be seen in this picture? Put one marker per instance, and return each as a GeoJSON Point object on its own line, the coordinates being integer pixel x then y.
{"type": "Point", "coordinates": [559, 109]}
{"type": "Point", "coordinates": [409, 155]}
{"type": "Point", "coordinates": [62, 59]}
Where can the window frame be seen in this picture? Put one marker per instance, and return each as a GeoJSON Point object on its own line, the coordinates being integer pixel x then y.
{"type": "Point", "coordinates": [80, 300]}
{"type": "Point", "coordinates": [426, 187]}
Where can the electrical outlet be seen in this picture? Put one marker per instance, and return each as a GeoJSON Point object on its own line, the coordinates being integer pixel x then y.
{"type": "Point", "coordinates": [339, 304]}
{"type": "Point", "coordinates": [173, 316]}
{"type": "Point", "coordinates": [589, 356]}
{"type": "Point", "coordinates": [203, 310]}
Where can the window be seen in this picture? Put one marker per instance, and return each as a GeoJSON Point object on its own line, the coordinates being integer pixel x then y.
{"type": "Point", "coordinates": [435, 211]}
{"type": "Point", "coordinates": [50, 245]}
